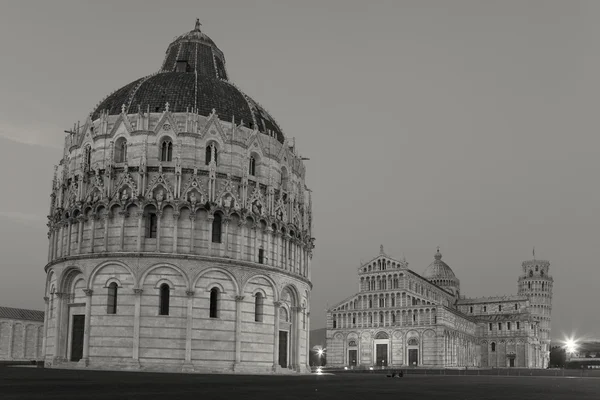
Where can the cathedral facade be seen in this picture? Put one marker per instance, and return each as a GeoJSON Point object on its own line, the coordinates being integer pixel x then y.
{"type": "Point", "coordinates": [179, 229]}
{"type": "Point", "coordinates": [400, 318]}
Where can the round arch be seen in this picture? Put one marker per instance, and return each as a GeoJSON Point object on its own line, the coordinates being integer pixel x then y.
{"type": "Point", "coordinates": [218, 269]}
{"type": "Point", "coordinates": [151, 268]}
{"type": "Point", "coordinates": [268, 279]}
{"type": "Point", "coordinates": [98, 267]}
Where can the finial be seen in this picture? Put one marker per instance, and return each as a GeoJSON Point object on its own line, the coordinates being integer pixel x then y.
{"type": "Point", "coordinates": [198, 24]}
{"type": "Point", "coordinates": [438, 249]}
{"type": "Point", "coordinates": [438, 255]}
{"type": "Point", "coordinates": [534, 252]}
{"type": "Point", "coordinates": [123, 109]}
{"type": "Point", "coordinates": [381, 249]}
{"type": "Point", "coordinates": [167, 106]}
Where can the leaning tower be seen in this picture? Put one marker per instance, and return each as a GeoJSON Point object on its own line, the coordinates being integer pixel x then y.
{"type": "Point", "coordinates": [536, 283]}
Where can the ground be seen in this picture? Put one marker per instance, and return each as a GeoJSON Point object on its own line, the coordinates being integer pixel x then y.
{"type": "Point", "coordinates": [38, 383]}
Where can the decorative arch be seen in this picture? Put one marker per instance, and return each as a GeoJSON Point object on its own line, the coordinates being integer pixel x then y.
{"type": "Point", "coordinates": [163, 281]}
{"type": "Point", "coordinates": [98, 267]}
{"type": "Point", "coordinates": [161, 265]}
{"type": "Point", "coordinates": [67, 278]}
{"type": "Point", "coordinates": [294, 294]}
{"type": "Point", "coordinates": [268, 279]}
{"type": "Point", "coordinates": [217, 269]}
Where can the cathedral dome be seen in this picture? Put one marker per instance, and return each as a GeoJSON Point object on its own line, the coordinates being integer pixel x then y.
{"type": "Point", "coordinates": [438, 269]}
{"type": "Point", "coordinates": [192, 78]}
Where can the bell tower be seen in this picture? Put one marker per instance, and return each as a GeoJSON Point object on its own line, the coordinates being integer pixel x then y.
{"type": "Point", "coordinates": [536, 283]}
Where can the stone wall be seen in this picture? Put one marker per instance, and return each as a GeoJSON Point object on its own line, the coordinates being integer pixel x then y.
{"type": "Point", "coordinates": [21, 340]}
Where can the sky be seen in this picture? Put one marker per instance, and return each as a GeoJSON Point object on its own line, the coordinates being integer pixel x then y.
{"type": "Point", "coordinates": [469, 125]}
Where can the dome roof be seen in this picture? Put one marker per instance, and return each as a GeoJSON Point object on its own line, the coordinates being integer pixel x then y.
{"type": "Point", "coordinates": [192, 77]}
{"type": "Point", "coordinates": [438, 269]}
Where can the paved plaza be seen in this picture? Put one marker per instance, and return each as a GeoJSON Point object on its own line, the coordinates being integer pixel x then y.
{"type": "Point", "coordinates": [37, 383]}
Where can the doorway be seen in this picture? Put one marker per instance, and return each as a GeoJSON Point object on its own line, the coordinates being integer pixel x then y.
{"type": "Point", "coordinates": [283, 349]}
{"type": "Point", "coordinates": [77, 337]}
{"type": "Point", "coordinates": [352, 356]}
{"type": "Point", "coordinates": [511, 362]}
{"type": "Point", "coordinates": [381, 350]}
{"type": "Point", "coordinates": [413, 357]}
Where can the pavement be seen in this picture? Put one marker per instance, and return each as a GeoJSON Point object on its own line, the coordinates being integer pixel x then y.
{"type": "Point", "coordinates": [42, 383]}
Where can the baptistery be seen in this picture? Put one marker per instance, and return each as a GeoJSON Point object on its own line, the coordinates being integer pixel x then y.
{"type": "Point", "coordinates": [179, 229]}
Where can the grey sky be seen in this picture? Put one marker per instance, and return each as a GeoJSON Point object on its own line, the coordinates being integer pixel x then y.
{"type": "Point", "coordinates": [471, 125]}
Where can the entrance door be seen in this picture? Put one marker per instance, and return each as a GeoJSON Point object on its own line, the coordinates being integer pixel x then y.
{"type": "Point", "coordinates": [283, 349]}
{"type": "Point", "coordinates": [352, 356]}
{"type": "Point", "coordinates": [511, 362]}
{"type": "Point", "coordinates": [381, 351]}
{"type": "Point", "coordinates": [77, 337]}
{"type": "Point", "coordinates": [413, 357]}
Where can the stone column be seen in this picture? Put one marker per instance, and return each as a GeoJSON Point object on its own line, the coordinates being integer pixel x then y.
{"type": "Point", "coordinates": [85, 360]}
{"type": "Point", "coordinates": [241, 233]}
{"type": "Point", "coordinates": [175, 229]}
{"type": "Point", "coordinates": [255, 246]}
{"type": "Point", "coordinates": [106, 218]}
{"type": "Point", "coordinates": [45, 329]}
{"type": "Point", "coordinates": [187, 366]}
{"type": "Point", "coordinates": [307, 330]}
{"type": "Point", "coordinates": [140, 215]}
{"type": "Point", "coordinates": [267, 234]}
{"type": "Point", "coordinates": [225, 242]}
{"type": "Point", "coordinates": [124, 214]}
{"type": "Point", "coordinates": [210, 219]}
{"type": "Point", "coordinates": [158, 225]}
{"type": "Point", "coordinates": [93, 232]}
{"type": "Point", "coordinates": [61, 241]}
{"type": "Point", "coordinates": [58, 328]}
{"type": "Point", "coordinates": [193, 227]}
{"type": "Point", "coordinates": [238, 330]}
{"type": "Point", "coordinates": [297, 341]}
{"type": "Point", "coordinates": [136, 324]}
{"type": "Point", "coordinates": [50, 243]}
{"type": "Point", "coordinates": [284, 251]}
{"type": "Point", "coordinates": [69, 231]}
{"type": "Point", "coordinates": [276, 260]}
{"type": "Point", "coordinates": [276, 305]}
{"type": "Point", "coordinates": [81, 220]}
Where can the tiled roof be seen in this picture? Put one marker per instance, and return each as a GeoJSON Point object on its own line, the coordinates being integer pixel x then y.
{"type": "Point", "coordinates": [497, 299]}
{"type": "Point", "coordinates": [503, 317]}
{"type": "Point", "coordinates": [19, 313]}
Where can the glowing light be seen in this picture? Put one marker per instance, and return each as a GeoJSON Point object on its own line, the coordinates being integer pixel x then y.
{"type": "Point", "coordinates": [320, 352]}
{"type": "Point", "coordinates": [345, 367]}
{"type": "Point", "coordinates": [319, 371]}
{"type": "Point", "coordinates": [571, 345]}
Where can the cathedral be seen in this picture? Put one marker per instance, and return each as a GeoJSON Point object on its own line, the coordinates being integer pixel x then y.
{"type": "Point", "coordinates": [400, 318]}
{"type": "Point", "coordinates": [179, 229]}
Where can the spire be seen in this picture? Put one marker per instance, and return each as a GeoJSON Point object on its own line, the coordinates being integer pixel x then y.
{"type": "Point", "coordinates": [198, 25]}
{"type": "Point", "coordinates": [381, 249]}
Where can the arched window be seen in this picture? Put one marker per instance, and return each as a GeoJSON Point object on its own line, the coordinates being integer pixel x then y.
{"type": "Point", "coordinates": [542, 272]}
{"type": "Point", "coordinates": [87, 157]}
{"type": "Point", "coordinates": [252, 166]}
{"type": "Point", "coordinates": [121, 150]}
{"type": "Point", "coordinates": [216, 229]}
{"type": "Point", "coordinates": [493, 346]}
{"type": "Point", "coordinates": [214, 303]}
{"type": "Point", "coordinates": [166, 150]}
{"type": "Point", "coordinates": [164, 295]}
{"type": "Point", "coordinates": [111, 306]}
{"type": "Point", "coordinates": [528, 285]}
{"type": "Point", "coordinates": [258, 307]}
{"type": "Point", "coordinates": [210, 150]}
{"type": "Point", "coordinates": [334, 323]}
{"type": "Point", "coordinates": [542, 285]}
{"type": "Point", "coordinates": [530, 273]}
{"type": "Point", "coordinates": [151, 224]}
{"type": "Point", "coordinates": [500, 307]}
{"type": "Point", "coordinates": [516, 306]}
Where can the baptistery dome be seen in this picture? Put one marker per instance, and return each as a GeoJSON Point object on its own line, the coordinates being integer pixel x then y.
{"type": "Point", "coordinates": [192, 78]}
{"type": "Point", "coordinates": [180, 229]}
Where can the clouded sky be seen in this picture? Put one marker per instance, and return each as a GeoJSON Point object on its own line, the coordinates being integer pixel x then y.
{"type": "Point", "coordinates": [472, 125]}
